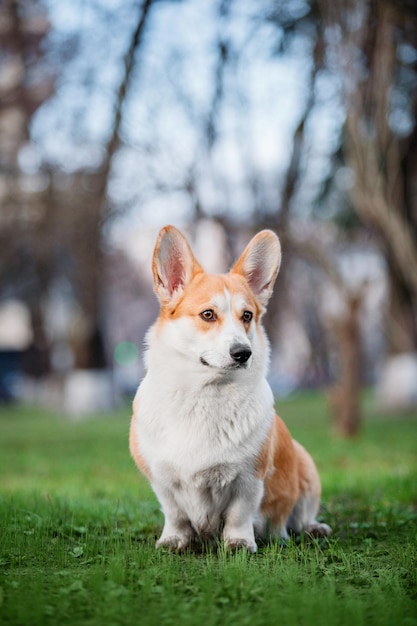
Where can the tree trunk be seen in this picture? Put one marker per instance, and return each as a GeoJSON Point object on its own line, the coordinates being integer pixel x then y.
{"type": "Point", "coordinates": [383, 163]}
{"type": "Point", "coordinates": [88, 243]}
{"type": "Point", "coordinates": [344, 397]}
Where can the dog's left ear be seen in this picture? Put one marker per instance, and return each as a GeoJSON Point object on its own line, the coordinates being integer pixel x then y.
{"type": "Point", "coordinates": [173, 265]}
{"type": "Point", "coordinates": [259, 264]}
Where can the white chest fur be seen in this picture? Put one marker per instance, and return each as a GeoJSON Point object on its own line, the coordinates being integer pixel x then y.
{"type": "Point", "coordinates": [200, 439]}
{"type": "Point", "coordinates": [196, 426]}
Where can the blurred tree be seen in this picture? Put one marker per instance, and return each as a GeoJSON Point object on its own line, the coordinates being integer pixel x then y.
{"type": "Point", "coordinates": [52, 223]}
{"type": "Point", "coordinates": [373, 47]}
{"type": "Point", "coordinates": [25, 226]}
{"type": "Point", "coordinates": [87, 244]}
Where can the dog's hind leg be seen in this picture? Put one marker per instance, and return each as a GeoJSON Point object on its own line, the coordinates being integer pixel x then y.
{"type": "Point", "coordinates": [303, 517]}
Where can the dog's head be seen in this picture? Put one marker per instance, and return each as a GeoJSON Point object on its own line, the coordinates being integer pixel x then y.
{"type": "Point", "coordinates": [214, 320]}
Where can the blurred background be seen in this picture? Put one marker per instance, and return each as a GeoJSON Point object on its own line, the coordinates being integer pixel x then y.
{"type": "Point", "coordinates": [222, 117]}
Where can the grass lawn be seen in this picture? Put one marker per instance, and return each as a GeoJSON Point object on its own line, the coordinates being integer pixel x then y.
{"type": "Point", "coordinates": [78, 527]}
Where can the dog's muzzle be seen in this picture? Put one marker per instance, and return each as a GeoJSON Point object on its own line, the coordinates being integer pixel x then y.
{"type": "Point", "coordinates": [240, 354]}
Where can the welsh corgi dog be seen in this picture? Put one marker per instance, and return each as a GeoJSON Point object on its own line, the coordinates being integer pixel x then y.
{"type": "Point", "coordinates": [204, 431]}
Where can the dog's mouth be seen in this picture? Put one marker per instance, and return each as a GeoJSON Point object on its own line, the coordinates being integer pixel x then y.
{"type": "Point", "coordinates": [232, 366]}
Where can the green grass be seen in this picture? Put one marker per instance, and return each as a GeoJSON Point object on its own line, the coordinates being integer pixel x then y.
{"type": "Point", "coordinates": [78, 527]}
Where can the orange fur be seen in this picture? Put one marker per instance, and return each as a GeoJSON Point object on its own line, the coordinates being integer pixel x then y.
{"type": "Point", "coordinates": [196, 296]}
{"type": "Point", "coordinates": [281, 480]}
{"type": "Point", "coordinates": [288, 473]}
{"type": "Point", "coordinates": [134, 446]}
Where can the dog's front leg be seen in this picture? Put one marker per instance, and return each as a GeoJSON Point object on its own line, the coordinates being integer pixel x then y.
{"type": "Point", "coordinates": [176, 535]}
{"type": "Point", "coordinates": [177, 532]}
{"type": "Point", "coordinates": [238, 529]}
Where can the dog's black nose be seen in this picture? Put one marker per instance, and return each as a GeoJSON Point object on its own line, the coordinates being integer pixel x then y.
{"type": "Point", "coordinates": [240, 353]}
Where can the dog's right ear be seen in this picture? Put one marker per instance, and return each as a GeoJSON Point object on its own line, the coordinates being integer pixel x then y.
{"type": "Point", "coordinates": [173, 265]}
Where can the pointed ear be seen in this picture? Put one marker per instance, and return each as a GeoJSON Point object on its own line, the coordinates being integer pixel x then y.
{"type": "Point", "coordinates": [259, 264]}
{"type": "Point", "coordinates": [173, 264]}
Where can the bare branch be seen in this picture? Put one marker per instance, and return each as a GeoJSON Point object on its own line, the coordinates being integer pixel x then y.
{"type": "Point", "coordinates": [123, 89]}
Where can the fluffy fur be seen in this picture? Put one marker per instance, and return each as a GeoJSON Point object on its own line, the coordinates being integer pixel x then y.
{"type": "Point", "coordinates": [203, 429]}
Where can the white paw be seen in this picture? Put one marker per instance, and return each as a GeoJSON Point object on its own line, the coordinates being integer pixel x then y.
{"type": "Point", "coordinates": [237, 544]}
{"type": "Point", "coordinates": [173, 542]}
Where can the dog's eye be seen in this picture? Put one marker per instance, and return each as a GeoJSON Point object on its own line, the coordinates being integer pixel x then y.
{"type": "Point", "coordinates": [208, 315]}
{"type": "Point", "coordinates": [247, 316]}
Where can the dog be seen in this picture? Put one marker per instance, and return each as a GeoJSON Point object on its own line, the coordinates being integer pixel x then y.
{"type": "Point", "coordinates": [204, 431]}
